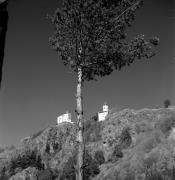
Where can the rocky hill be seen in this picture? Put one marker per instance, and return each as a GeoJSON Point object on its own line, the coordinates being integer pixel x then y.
{"type": "Point", "coordinates": [128, 145]}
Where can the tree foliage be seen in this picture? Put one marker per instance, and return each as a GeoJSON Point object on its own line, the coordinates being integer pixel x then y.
{"type": "Point", "coordinates": [90, 168]}
{"type": "Point", "coordinates": [92, 131]}
{"type": "Point", "coordinates": [28, 159]}
{"type": "Point", "coordinates": [95, 31]}
{"type": "Point", "coordinates": [99, 157]}
{"type": "Point", "coordinates": [167, 103]}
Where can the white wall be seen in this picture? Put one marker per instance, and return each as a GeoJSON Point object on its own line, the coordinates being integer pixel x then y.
{"type": "Point", "coordinates": [102, 116]}
{"type": "Point", "coordinates": [64, 118]}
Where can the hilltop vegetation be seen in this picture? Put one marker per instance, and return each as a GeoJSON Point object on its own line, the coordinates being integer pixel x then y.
{"type": "Point", "coordinates": [129, 145]}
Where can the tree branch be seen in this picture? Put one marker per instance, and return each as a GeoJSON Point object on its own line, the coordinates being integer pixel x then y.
{"type": "Point", "coordinates": [126, 10]}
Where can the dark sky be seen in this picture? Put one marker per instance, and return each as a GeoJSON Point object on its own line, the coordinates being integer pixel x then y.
{"type": "Point", "coordinates": [36, 87]}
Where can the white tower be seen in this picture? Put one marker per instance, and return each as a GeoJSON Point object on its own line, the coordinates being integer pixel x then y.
{"type": "Point", "coordinates": [102, 115]}
{"type": "Point", "coordinates": [105, 107]}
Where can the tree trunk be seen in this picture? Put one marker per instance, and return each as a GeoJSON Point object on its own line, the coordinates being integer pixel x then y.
{"type": "Point", "coordinates": [3, 30]}
{"type": "Point", "coordinates": [79, 175]}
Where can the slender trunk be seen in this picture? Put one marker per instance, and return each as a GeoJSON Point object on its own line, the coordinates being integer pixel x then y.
{"type": "Point", "coordinates": [80, 126]}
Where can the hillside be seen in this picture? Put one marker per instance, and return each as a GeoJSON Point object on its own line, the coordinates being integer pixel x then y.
{"type": "Point", "coordinates": [128, 145]}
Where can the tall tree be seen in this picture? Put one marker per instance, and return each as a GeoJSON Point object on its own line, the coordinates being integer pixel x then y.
{"type": "Point", "coordinates": [91, 38]}
{"type": "Point", "coordinates": [3, 30]}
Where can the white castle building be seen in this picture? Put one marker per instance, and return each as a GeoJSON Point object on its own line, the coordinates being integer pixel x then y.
{"type": "Point", "coordinates": [64, 118]}
{"type": "Point", "coordinates": [102, 115]}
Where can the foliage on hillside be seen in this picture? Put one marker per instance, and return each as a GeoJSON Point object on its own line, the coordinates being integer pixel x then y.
{"type": "Point", "coordinates": [143, 145]}
{"type": "Point", "coordinates": [129, 145]}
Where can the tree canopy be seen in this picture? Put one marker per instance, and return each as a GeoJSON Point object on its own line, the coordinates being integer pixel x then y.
{"type": "Point", "coordinates": [92, 35]}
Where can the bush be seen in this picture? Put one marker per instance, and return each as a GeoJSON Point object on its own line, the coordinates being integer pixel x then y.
{"type": "Point", "coordinates": [99, 157]}
{"type": "Point", "coordinates": [28, 159]}
{"type": "Point", "coordinates": [125, 138]}
{"type": "Point", "coordinates": [166, 122]}
{"type": "Point", "coordinates": [69, 169]}
{"type": "Point", "coordinates": [47, 150]}
{"type": "Point", "coordinates": [3, 173]}
{"type": "Point", "coordinates": [46, 174]}
{"type": "Point", "coordinates": [1, 150]}
{"type": "Point", "coordinates": [92, 131]}
{"type": "Point", "coordinates": [167, 103]}
{"type": "Point", "coordinates": [117, 154]}
{"type": "Point", "coordinates": [90, 168]}
{"type": "Point", "coordinates": [57, 146]}
{"type": "Point", "coordinates": [153, 175]}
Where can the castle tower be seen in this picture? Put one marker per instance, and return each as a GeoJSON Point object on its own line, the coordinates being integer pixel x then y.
{"type": "Point", "coordinates": [102, 115]}
{"type": "Point", "coordinates": [105, 107]}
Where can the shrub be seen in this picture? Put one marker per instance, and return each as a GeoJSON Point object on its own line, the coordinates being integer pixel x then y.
{"type": "Point", "coordinates": [92, 131]}
{"type": "Point", "coordinates": [69, 169]}
{"type": "Point", "coordinates": [99, 157]}
{"type": "Point", "coordinates": [166, 122]}
{"type": "Point", "coordinates": [3, 173]}
{"type": "Point", "coordinates": [125, 138]}
{"type": "Point", "coordinates": [153, 174]}
{"type": "Point", "coordinates": [28, 159]}
{"type": "Point", "coordinates": [46, 174]}
{"type": "Point", "coordinates": [57, 146]}
{"type": "Point", "coordinates": [117, 154]}
{"type": "Point", "coordinates": [1, 150]}
{"type": "Point", "coordinates": [47, 150]}
{"type": "Point", "coordinates": [90, 168]}
{"type": "Point", "coordinates": [167, 103]}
